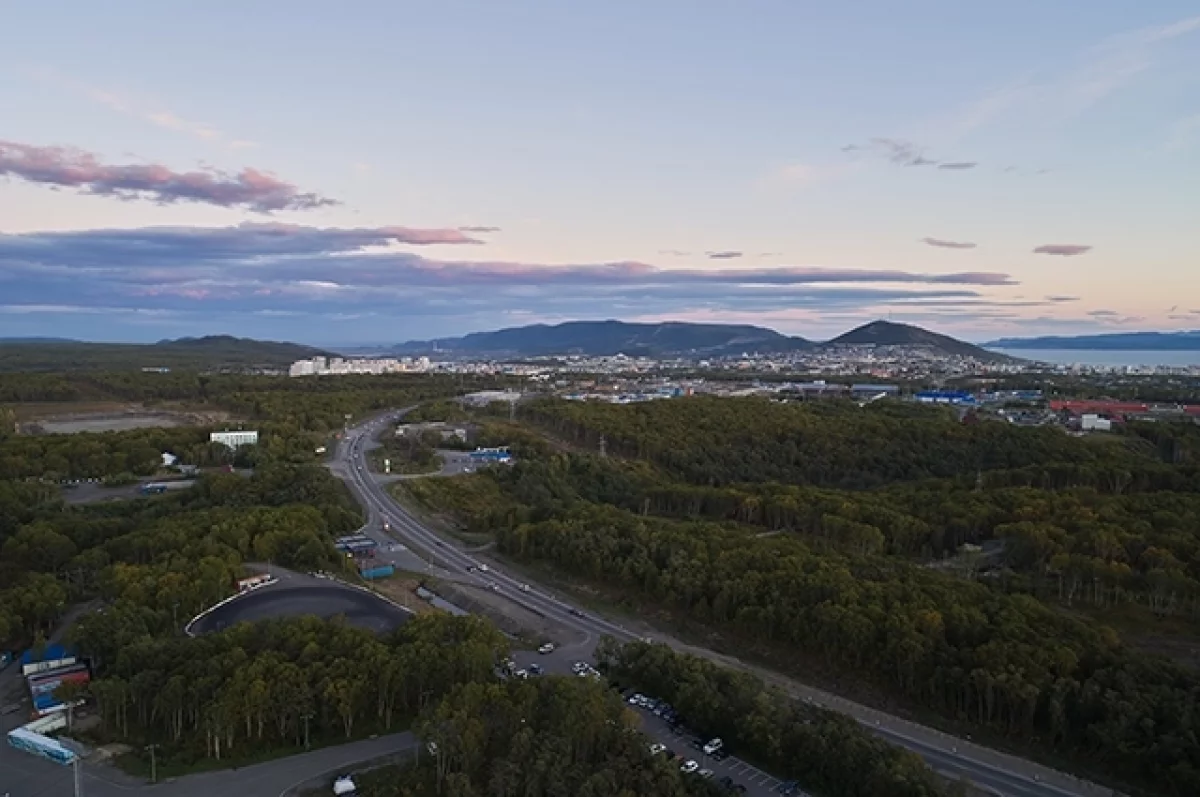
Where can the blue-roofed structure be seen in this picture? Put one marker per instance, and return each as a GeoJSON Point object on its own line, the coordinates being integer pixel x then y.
{"type": "Point", "coordinates": [491, 455]}
{"type": "Point", "coordinates": [954, 397]}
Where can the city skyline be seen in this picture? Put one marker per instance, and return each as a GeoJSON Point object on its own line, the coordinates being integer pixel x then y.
{"type": "Point", "coordinates": [395, 171]}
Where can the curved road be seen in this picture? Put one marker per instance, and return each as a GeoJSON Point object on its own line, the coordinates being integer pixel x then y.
{"type": "Point", "coordinates": [999, 773]}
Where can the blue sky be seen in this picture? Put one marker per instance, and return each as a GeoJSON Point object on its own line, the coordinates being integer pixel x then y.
{"type": "Point", "coordinates": [385, 171]}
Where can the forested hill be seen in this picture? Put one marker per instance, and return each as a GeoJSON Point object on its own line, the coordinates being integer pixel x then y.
{"type": "Point", "coordinates": [214, 351]}
{"type": "Point", "coordinates": [888, 333]}
{"type": "Point", "coordinates": [1119, 341]}
{"type": "Point", "coordinates": [601, 338]}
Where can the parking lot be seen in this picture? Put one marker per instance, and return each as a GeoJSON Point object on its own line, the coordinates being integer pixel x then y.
{"type": "Point", "coordinates": [757, 782]}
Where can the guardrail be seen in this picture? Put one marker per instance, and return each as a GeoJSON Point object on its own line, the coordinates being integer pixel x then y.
{"type": "Point", "coordinates": [187, 629]}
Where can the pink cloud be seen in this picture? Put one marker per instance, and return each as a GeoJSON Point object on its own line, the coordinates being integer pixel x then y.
{"type": "Point", "coordinates": [71, 168]}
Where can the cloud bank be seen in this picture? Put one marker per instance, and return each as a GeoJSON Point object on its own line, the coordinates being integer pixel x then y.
{"type": "Point", "coordinates": [62, 167]}
{"type": "Point", "coordinates": [290, 274]}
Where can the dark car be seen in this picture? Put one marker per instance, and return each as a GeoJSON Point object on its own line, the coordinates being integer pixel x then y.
{"type": "Point", "coordinates": [726, 782]}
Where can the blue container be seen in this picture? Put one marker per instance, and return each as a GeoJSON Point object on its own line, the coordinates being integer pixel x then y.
{"type": "Point", "coordinates": [383, 571]}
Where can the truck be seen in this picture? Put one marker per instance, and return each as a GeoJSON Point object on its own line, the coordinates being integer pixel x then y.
{"type": "Point", "coordinates": [154, 488]}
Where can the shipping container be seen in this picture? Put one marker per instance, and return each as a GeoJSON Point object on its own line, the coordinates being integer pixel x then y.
{"type": "Point", "coordinates": [382, 571]}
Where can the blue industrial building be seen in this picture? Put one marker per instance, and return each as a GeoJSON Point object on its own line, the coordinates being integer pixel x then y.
{"type": "Point", "coordinates": [954, 397]}
{"type": "Point", "coordinates": [499, 455]}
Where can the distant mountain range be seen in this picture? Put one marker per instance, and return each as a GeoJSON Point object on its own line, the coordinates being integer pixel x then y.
{"type": "Point", "coordinates": [1119, 341]}
{"type": "Point", "coordinates": [214, 351]}
{"type": "Point", "coordinates": [601, 338]}
{"type": "Point", "coordinates": [607, 338]}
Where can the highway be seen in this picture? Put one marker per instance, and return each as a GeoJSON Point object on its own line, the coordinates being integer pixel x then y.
{"type": "Point", "coordinates": [999, 773]}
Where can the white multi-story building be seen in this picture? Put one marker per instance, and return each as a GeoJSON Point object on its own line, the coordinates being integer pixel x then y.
{"type": "Point", "coordinates": [234, 439]}
{"type": "Point", "coordinates": [334, 366]}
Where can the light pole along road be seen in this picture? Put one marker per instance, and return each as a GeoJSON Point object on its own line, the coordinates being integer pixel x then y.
{"type": "Point", "coordinates": [999, 773]}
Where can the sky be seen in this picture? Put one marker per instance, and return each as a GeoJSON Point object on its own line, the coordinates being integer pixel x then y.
{"type": "Point", "coordinates": [375, 172]}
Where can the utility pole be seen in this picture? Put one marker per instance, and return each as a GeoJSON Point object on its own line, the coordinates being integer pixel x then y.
{"type": "Point", "coordinates": [603, 446]}
{"type": "Point", "coordinates": [307, 717]}
{"type": "Point", "coordinates": [153, 763]}
{"type": "Point", "coordinates": [77, 766]}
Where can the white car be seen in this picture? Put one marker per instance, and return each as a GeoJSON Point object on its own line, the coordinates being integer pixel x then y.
{"type": "Point", "coordinates": [713, 746]}
{"type": "Point", "coordinates": [546, 648]}
{"type": "Point", "coordinates": [657, 748]}
{"type": "Point", "coordinates": [689, 767]}
{"type": "Point", "coordinates": [484, 568]}
{"type": "Point", "coordinates": [521, 673]}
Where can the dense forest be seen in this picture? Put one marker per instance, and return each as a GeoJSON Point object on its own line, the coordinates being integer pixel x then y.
{"type": "Point", "coordinates": [549, 736]}
{"type": "Point", "coordinates": [826, 751]}
{"type": "Point", "coordinates": [842, 539]}
{"type": "Point", "coordinates": [575, 736]}
{"type": "Point", "coordinates": [142, 567]}
{"type": "Point", "coordinates": [212, 352]}
{"type": "Point", "coordinates": [715, 441]}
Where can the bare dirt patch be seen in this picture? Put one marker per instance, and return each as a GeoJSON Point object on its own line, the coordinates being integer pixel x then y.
{"type": "Point", "coordinates": [108, 417]}
{"type": "Point", "coordinates": [402, 588]}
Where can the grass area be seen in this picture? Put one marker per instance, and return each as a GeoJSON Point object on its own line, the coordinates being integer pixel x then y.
{"type": "Point", "coordinates": [1175, 637]}
{"type": "Point", "coordinates": [397, 464]}
{"type": "Point", "coordinates": [402, 588]}
{"type": "Point", "coordinates": [448, 504]}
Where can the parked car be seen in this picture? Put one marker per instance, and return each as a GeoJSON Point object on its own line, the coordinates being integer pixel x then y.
{"type": "Point", "coordinates": [657, 748]}
{"type": "Point", "coordinates": [689, 766]}
{"type": "Point", "coordinates": [713, 746]}
{"type": "Point", "coordinates": [705, 773]}
{"type": "Point", "coordinates": [535, 669]}
{"type": "Point", "coordinates": [546, 648]}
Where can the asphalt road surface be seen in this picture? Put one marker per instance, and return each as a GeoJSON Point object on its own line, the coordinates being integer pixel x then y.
{"type": "Point", "coordinates": [303, 595]}
{"type": "Point", "coordinates": [23, 775]}
{"type": "Point", "coordinates": [955, 758]}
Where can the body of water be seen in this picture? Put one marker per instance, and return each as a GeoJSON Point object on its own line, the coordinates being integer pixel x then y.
{"type": "Point", "coordinates": [1104, 358]}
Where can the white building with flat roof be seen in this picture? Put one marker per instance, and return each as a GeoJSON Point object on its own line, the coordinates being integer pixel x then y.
{"type": "Point", "coordinates": [234, 439]}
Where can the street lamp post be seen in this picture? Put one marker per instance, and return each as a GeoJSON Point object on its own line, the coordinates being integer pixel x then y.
{"type": "Point", "coordinates": [153, 763]}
